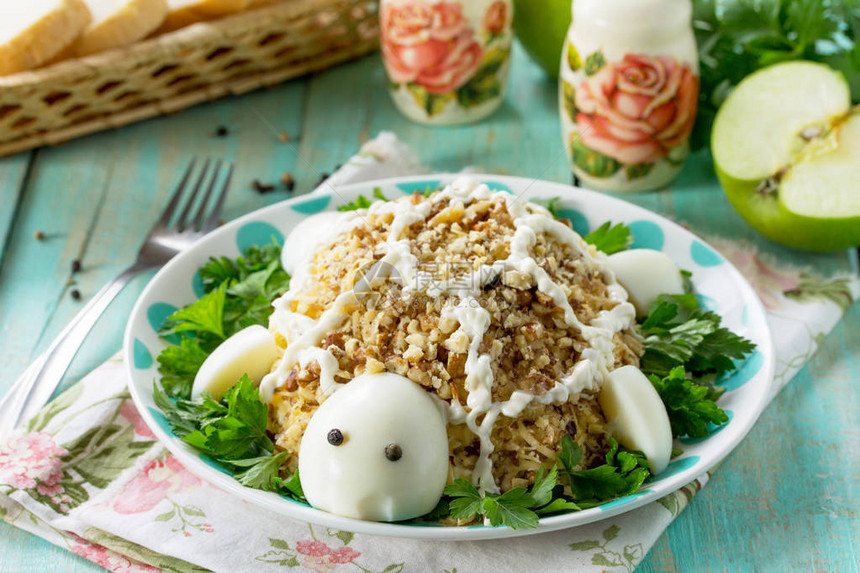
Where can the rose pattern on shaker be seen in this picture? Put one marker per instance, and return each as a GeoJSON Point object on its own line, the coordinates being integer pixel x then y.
{"type": "Point", "coordinates": [630, 113]}
{"type": "Point", "coordinates": [496, 18]}
{"type": "Point", "coordinates": [430, 45]}
{"type": "Point", "coordinates": [433, 50]}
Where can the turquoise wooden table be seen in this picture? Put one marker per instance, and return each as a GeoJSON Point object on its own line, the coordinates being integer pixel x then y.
{"type": "Point", "coordinates": [787, 499]}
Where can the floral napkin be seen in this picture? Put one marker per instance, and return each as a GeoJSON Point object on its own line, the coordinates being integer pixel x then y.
{"type": "Point", "coordinates": [88, 475]}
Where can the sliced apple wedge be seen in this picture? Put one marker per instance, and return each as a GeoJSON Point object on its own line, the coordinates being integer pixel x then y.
{"type": "Point", "coordinates": [786, 147]}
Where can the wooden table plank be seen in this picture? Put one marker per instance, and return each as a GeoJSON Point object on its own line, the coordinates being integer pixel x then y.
{"type": "Point", "coordinates": [104, 192]}
{"type": "Point", "coordinates": [12, 175]}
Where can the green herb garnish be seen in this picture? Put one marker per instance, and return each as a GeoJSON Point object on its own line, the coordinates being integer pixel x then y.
{"type": "Point", "coordinates": [678, 332]}
{"type": "Point", "coordinates": [238, 293]}
{"type": "Point", "coordinates": [362, 202]}
{"type": "Point", "coordinates": [622, 474]}
{"type": "Point", "coordinates": [233, 432]}
{"type": "Point", "coordinates": [689, 408]}
{"type": "Point", "coordinates": [610, 238]}
{"type": "Point", "coordinates": [517, 508]}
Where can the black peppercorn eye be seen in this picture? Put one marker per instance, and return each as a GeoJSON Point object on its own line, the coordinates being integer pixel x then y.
{"type": "Point", "coordinates": [335, 437]}
{"type": "Point", "coordinates": [393, 452]}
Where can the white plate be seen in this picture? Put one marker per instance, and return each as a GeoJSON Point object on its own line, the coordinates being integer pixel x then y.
{"type": "Point", "coordinates": [718, 284]}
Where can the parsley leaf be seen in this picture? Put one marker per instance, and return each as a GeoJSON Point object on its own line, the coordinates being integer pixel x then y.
{"type": "Point", "coordinates": [516, 508]}
{"type": "Point", "coordinates": [541, 490]}
{"type": "Point", "coordinates": [178, 366]}
{"type": "Point", "coordinates": [510, 508]}
{"type": "Point", "coordinates": [571, 454]}
{"type": "Point", "coordinates": [291, 487]}
{"type": "Point", "coordinates": [679, 332]}
{"type": "Point", "coordinates": [467, 499]}
{"type": "Point", "coordinates": [362, 202]}
{"type": "Point", "coordinates": [217, 271]}
{"type": "Point", "coordinates": [239, 434]}
{"type": "Point", "coordinates": [622, 474]}
{"type": "Point", "coordinates": [261, 472]}
{"type": "Point", "coordinates": [558, 505]}
{"type": "Point", "coordinates": [689, 408]}
{"type": "Point", "coordinates": [205, 314]}
{"type": "Point", "coordinates": [610, 238]}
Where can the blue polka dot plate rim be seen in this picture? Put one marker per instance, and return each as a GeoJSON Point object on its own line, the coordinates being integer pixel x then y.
{"type": "Point", "coordinates": [717, 283]}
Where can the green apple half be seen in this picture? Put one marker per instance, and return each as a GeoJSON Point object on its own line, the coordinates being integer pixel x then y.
{"type": "Point", "coordinates": [786, 145]}
{"type": "Point", "coordinates": [541, 27]}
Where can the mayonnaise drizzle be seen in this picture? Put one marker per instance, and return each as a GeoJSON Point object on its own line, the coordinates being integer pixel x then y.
{"type": "Point", "coordinates": [304, 335]}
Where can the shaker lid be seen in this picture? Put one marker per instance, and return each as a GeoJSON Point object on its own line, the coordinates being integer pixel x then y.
{"type": "Point", "coordinates": [633, 14]}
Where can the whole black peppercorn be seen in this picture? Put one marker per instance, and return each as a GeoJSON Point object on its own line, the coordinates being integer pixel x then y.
{"type": "Point", "coordinates": [76, 266]}
{"type": "Point", "coordinates": [76, 294]}
{"type": "Point", "coordinates": [335, 437]}
{"type": "Point", "coordinates": [393, 452]}
{"type": "Point", "coordinates": [262, 187]}
{"type": "Point", "coordinates": [222, 131]}
{"type": "Point", "coordinates": [288, 181]}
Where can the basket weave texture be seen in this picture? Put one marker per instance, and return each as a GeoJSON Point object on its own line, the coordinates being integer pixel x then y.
{"type": "Point", "coordinates": [163, 75]}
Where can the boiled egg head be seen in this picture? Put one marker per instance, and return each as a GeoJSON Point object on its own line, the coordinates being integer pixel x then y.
{"type": "Point", "coordinates": [376, 449]}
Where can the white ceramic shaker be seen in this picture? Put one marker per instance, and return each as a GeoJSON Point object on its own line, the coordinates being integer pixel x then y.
{"type": "Point", "coordinates": [628, 92]}
{"type": "Point", "coordinates": [447, 61]}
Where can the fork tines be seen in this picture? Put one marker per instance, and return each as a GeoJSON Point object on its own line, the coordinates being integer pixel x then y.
{"type": "Point", "coordinates": [200, 221]}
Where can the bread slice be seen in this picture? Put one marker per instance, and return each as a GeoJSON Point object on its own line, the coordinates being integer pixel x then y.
{"type": "Point", "coordinates": [118, 23]}
{"type": "Point", "coordinates": [33, 31]}
{"type": "Point", "coordinates": [183, 13]}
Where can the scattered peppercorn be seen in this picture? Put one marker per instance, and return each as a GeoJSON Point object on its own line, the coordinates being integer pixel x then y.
{"type": "Point", "coordinates": [76, 266]}
{"type": "Point", "coordinates": [393, 452]}
{"type": "Point", "coordinates": [283, 137]}
{"type": "Point", "coordinates": [222, 131]}
{"type": "Point", "coordinates": [76, 294]}
{"type": "Point", "coordinates": [288, 181]}
{"type": "Point", "coordinates": [262, 187]}
{"type": "Point", "coordinates": [323, 177]}
{"type": "Point", "coordinates": [39, 235]}
{"type": "Point", "coordinates": [335, 437]}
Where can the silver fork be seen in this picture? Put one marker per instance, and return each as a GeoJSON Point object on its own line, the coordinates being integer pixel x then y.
{"type": "Point", "coordinates": [168, 237]}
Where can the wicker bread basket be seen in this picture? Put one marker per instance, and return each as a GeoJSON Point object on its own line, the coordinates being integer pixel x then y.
{"type": "Point", "coordinates": [165, 74]}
